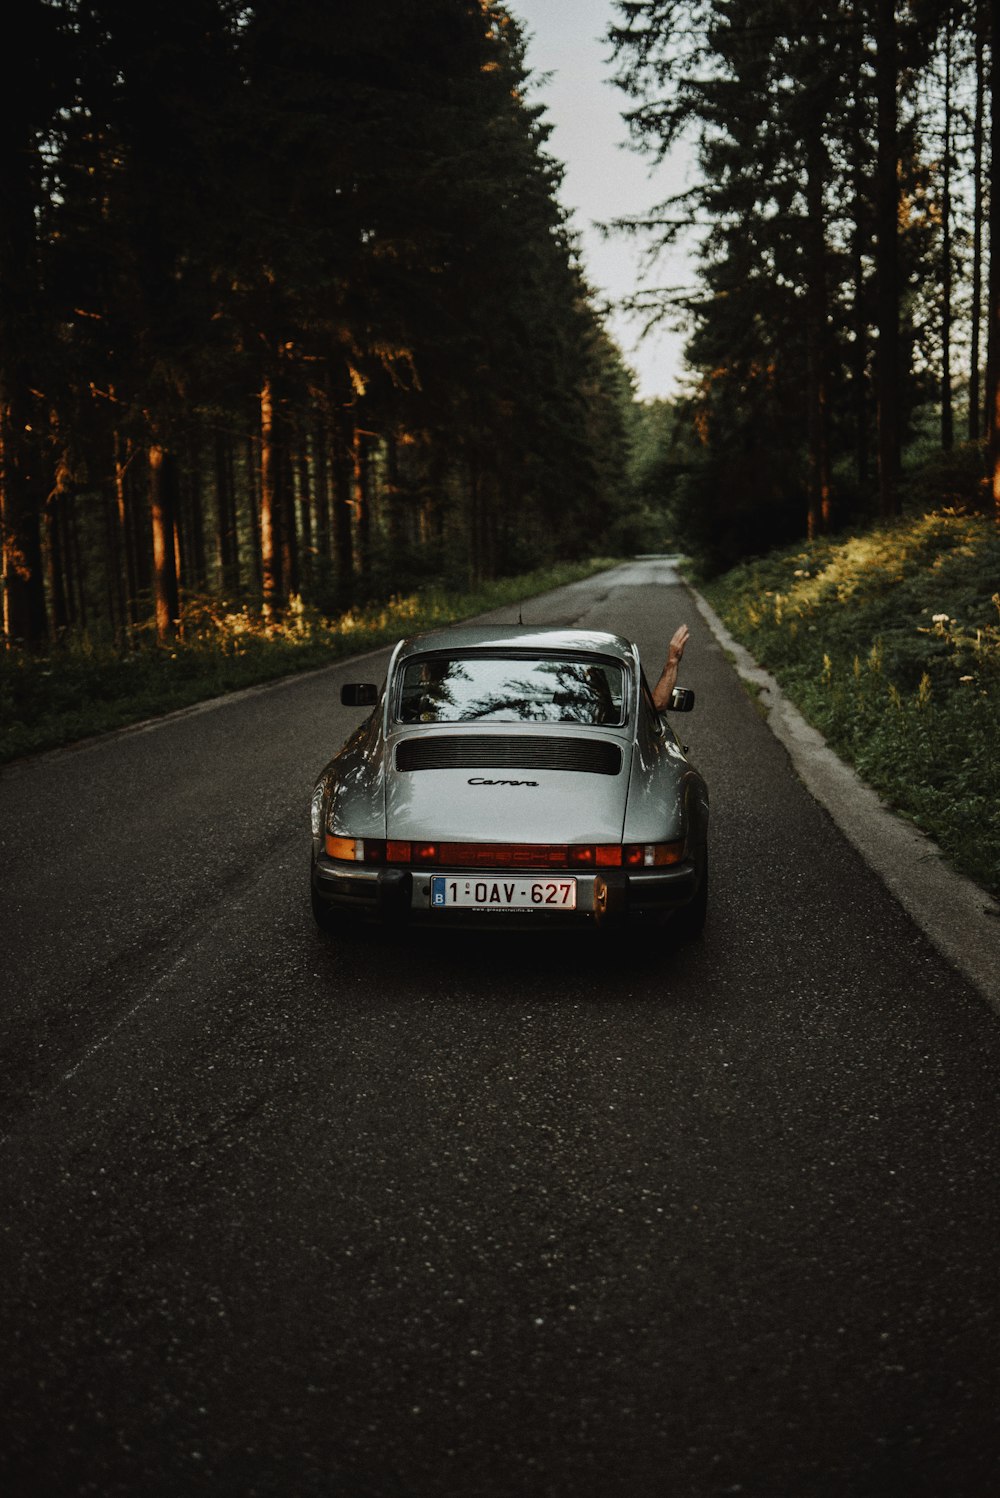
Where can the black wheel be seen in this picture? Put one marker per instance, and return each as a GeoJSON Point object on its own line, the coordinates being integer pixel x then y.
{"type": "Point", "coordinates": [328, 920]}
{"type": "Point", "coordinates": [689, 922]}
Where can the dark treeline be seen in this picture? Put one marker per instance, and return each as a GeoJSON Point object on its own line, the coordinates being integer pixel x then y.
{"type": "Point", "coordinates": [844, 306]}
{"type": "Point", "coordinates": [287, 307]}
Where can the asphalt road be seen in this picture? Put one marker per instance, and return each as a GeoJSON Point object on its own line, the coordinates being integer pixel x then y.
{"type": "Point", "coordinates": [505, 1219]}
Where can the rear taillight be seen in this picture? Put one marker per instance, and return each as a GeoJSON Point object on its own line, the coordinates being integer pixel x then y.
{"type": "Point", "coordinates": [505, 855]}
{"type": "Point", "coordinates": [356, 849]}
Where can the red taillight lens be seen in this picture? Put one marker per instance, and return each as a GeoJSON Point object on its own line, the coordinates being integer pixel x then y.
{"type": "Point", "coordinates": [505, 855]}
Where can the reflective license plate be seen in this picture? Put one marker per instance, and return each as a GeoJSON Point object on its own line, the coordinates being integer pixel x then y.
{"type": "Point", "coordinates": [502, 894]}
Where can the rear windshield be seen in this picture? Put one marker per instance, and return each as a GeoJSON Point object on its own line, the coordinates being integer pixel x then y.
{"type": "Point", "coordinates": [502, 689]}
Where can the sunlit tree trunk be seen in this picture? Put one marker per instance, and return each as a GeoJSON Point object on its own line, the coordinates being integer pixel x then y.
{"type": "Point", "coordinates": [162, 507]}
{"type": "Point", "coordinates": [270, 504]}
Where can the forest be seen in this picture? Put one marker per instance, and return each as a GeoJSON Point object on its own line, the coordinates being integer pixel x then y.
{"type": "Point", "coordinates": [288, 310]}
{"type": "Point", "coordinates": [847, 300]}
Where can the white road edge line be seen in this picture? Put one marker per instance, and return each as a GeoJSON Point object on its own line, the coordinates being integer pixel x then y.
{"type": "Point", "coordinates": [958, 917]}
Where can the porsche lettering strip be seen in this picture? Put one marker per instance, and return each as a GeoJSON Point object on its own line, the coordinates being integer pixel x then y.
{"type": "Point", "coordinates": [508, 752]}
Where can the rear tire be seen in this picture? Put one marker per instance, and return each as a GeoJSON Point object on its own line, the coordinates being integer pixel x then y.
{"type": "Point", "coordinates": [330, 922]}
{"type": "Point", "coordinates": [689, 922]}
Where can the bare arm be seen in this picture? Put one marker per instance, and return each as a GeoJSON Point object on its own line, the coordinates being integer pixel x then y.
{"type": "Point", "coordinates": [668, 677]}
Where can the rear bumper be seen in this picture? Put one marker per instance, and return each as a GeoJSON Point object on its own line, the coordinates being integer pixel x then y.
{"type": "Point", "coordinates": [403, 895]}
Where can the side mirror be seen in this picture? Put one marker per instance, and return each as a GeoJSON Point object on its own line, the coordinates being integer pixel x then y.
{"type": "Point", "coordinates": [359, 694]}
{"type": "Point", "coordinates": [681, 700]}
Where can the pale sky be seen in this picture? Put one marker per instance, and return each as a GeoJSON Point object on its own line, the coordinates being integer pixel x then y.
{"type": "Point", "coordinates": [604, 179]}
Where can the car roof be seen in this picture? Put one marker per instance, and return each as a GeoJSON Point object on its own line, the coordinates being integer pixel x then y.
{"type": "Point", "coordinates": [517, 637]}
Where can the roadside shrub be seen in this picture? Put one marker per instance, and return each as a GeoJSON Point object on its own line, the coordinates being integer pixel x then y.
{"type": "Point", "coordinates": [889, 643]}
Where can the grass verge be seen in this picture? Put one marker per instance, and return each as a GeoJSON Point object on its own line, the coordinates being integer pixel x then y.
{"type": "Point", "coordinates": [889, 644]}
{"type": "Point", "coordinates": [80, 688]}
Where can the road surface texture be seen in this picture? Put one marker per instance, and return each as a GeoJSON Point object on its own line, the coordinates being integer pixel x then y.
{"type": "Point", "coordinates": [511, 1218]}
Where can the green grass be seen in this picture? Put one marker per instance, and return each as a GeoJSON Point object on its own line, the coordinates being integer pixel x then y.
{"type": "Point", "coordinates": [889, 643]}
{"type": "Point", "coordinates": [82, 689]}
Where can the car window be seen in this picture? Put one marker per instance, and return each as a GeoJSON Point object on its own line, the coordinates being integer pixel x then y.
{"type": "Point", "coordinates": [503, 689]}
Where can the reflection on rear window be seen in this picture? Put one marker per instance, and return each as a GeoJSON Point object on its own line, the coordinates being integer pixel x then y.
{"type": "Point", "coordinates": [492, 689]}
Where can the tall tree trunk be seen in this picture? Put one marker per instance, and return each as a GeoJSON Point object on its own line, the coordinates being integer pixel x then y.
{"type": "Point", "coordinates": [304, 494]}
{"type": "Point", "coordinates": [270, 504]}
{"type": "Point", "coordinates": [860, 250]}
{"type": "Point", "coordinates": [975, 389]}
{"type": "Point", "coordinates": [74, 551]}
{"type": "Point", "coordinates": [253, 507]}
{"type": "Point", "coordinates": [475, 524]}
{"type": "Point", "coordinates": [56, 562]}
{"type": "Point", "coordinates": [114, 587]}
{"type": "Point", "coordinates": [392, 498]}
{"type": "Point", "coordinates": [887, 365]}
{"type": "Point", "coordinates": [947, 417]}
{"type": "Point", "coordinates": [361, 490]}
{"type": "Point", "coordinates": [126, 536]}
{"type": "Point", "coordinates": [22, 489]}
{"type": "Point", "coordinates": [194, 511]}
{"type": "Point", "coordinates": [225, 515]}
{"type": "Point", "coordinates": [343, 499]}
{"type": "Point", "coordinates": [290, 568]}
{"type": "Point", "coordinates": [993, 351]}
{"type": "Point", "coordinates": [816, 335]}
{"type": "Point", "coordinates": [162, 508]}
{"type": "Point", "coordinates": [321, 490]}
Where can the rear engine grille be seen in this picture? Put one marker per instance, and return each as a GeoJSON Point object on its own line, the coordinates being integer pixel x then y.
{"type": "Point", "coordinates": [508, 752]}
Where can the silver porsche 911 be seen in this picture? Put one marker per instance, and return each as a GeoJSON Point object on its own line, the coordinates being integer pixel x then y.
{"type": "Point", "coordinates": [516, 777]}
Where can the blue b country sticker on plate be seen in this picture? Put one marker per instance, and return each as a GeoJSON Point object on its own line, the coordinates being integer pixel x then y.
{"type": "Point", "coordinates": [437, 890]}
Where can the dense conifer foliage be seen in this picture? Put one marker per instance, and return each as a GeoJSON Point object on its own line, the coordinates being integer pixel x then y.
{"type": "Point", "coordinates": [844, 148]}
{"type": "Point", "coordinates": [287, 307]}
